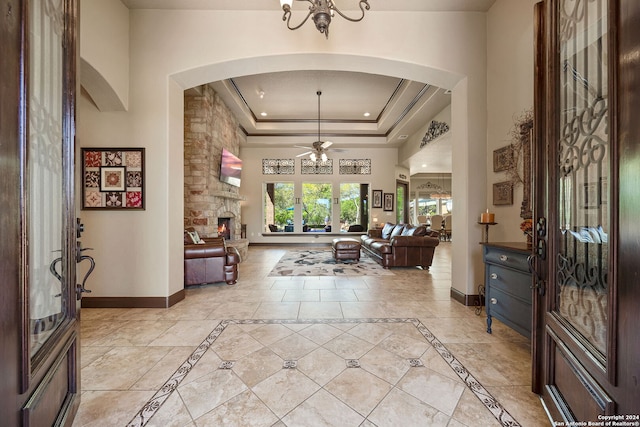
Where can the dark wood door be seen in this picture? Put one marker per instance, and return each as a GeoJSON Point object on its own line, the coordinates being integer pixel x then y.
{"type": "Point", "coordinates": [402, 202]}
{"type": "Point", "coordinates": [39, 384]}
{"type": "Point", "coordinates": [586, 339]}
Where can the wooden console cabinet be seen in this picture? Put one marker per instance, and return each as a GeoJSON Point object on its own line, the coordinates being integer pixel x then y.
{"type": "Point", "coordinates": [508, 285]}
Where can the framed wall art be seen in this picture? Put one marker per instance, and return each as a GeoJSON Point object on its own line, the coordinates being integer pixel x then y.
{"type": "Point", "coordinates": [503, 193]}
{"type": "Point", "coordinates": [388, 201]}
{"type": "Point", "coordinates": [376, 195]}
{"type": "Point", "coordinates": [502, 158]}
{"type": "Point", "coordinates": [113, 178]}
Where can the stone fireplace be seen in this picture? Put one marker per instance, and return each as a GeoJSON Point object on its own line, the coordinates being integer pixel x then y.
{"type": "Point", "coordinates": [211, 206]}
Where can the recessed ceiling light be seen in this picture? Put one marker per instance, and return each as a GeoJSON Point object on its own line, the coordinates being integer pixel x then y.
{"type": "Point", "coordinates": [403, 136]}
{"type": "Point", "coordinates": [263, 114]}
{"type": "Point", "coordinates": [367, 114]}
{"type": "Point", "coordinates": [424, 166]}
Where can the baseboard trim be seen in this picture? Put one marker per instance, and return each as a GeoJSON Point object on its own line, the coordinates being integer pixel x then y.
{"type": "Point", "coordinates": [133, 302]}
{"type": "Point", "coordinates": [464, 299]}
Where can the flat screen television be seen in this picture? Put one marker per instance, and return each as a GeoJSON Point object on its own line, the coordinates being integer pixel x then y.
{"type": "Point", "coordinates": [230, 168]}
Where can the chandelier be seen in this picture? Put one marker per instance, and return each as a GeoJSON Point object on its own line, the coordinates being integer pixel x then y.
{"type": "Point", "coordinates": [322, 12]}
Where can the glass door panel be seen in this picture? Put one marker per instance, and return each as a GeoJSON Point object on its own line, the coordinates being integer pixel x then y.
{"type": "Point", "coordinates": [583, 171]}
{"type": "Point", "coordinates": [48, 299]}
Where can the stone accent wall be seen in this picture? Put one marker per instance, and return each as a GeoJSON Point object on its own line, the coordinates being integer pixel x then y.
{"type": "Point", "coordinates": [209, 126]}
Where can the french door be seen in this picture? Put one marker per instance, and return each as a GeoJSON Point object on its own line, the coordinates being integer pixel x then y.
{"type": "Point", "coordinates": [586, 340]}
{"type": "Point", "coordinates": [40, 351]}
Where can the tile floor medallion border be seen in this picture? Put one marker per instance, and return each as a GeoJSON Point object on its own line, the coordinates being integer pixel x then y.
{"type": "Point", "coordinates": [491, 403]}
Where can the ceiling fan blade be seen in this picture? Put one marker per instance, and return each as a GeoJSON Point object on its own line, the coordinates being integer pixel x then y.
{"type": "Point", "coordinates": [336, 150]}
{"type": "Point", "coordinates": [327, 144]}
{"type": "Point", "coordinates": [304, 154]}
{"type": "Point", "coordinates": [303, 146]}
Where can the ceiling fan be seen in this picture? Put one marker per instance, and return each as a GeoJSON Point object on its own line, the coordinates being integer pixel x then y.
{"type": "Point", "coordinates": [319, 149]}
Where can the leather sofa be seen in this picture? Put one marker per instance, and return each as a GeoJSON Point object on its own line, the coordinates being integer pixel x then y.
{"type": "Point", "coordinates": [210, 262]}
{"type": "Point", "coordinates": [401, 245]}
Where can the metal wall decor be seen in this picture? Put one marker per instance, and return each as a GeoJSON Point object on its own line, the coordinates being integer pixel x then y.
{"type": "Point", "coordinates": [354, 166]}
{"type": "Point", "coordinates": [112, 178]}
{"type": "Point", "coordinates": [435, 130]}
{"type": "Point", "coordinates": [278, 166]}
{"type": "Point", "coordinates": [309, 167]}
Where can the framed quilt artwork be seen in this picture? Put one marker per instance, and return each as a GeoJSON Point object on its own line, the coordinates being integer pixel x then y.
{"type": "Point", "coordinates": [112, 178]}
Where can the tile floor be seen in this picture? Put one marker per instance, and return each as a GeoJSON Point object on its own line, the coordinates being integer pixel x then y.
{"type": "Point", "coordinates": [307, 351]}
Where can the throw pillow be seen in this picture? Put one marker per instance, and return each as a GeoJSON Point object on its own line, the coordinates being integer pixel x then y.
{"type": "Point", "coordinates": [420, 230]}
{"type": "Point", "coordinates": [387, 229]}
{"type": "Point", "coordinates": [397, 231]}
{"type": "Point", "coordinates": [408, 230]}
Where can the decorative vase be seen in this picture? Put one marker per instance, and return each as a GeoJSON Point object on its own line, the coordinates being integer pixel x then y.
{"type": "Point", "coordinates": [529, 241]}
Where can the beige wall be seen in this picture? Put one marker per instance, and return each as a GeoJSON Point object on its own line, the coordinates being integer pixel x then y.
{"type": "Point", "coordinates": [104, 52]}
{"type": "Point", "coordinates": [140, 253]}
{"type": "Point", "coordinates": [509, 94]}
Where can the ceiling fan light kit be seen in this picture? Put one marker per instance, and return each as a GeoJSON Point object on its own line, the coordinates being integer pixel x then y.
{"type": "Point", "coordinates": [321, 11]}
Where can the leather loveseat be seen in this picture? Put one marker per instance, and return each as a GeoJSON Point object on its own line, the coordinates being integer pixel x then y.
{"type": "Point", "coordinates": [210, 262]}
{"type": "Point", "coordinates": [401, 245]}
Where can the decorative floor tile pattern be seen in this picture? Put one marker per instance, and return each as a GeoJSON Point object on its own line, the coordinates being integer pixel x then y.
{"type": "Point", "coordinates": [290, 364]}
{"type": "Point", "coordinates": [337, 387]}
{"type": "Point", "coordinates": [135, 358]}
{"type": "Point", "coordinates": [415, 363]}
{"type": "Point", "coordinates": [353, 363]}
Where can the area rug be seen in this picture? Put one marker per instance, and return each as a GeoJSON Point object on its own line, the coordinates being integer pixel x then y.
{"type": "Point", "coordinates": [320, 262]}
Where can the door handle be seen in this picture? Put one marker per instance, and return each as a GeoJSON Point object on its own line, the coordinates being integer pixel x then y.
{"type": "Point", "coordinates": [80, 287]}
{"type": "Point", "coordinates": [538, 281]}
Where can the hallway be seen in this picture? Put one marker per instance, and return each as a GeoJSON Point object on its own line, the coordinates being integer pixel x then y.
{"type": "Point", "coordinates": [307, 351]}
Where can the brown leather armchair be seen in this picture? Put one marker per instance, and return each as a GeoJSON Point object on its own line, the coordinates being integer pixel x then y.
{"type": "Point", "coordinates": [210, 262]}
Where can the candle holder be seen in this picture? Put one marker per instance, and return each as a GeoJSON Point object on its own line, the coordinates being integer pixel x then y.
{"type": "Point", "coordinates": [485, 233]}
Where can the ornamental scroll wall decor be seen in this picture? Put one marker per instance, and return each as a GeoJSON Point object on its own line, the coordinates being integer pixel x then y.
{"type": "Point", "coordinates": [435, 130]}
{"type": "Point", "coordinates": [113, 178]}
{"type": "Point", "coordinates": [309, 167]}
{"type": "Point", "coordinates": [278, 166]}
{"type": "Point", "coordinates": [354, 166]}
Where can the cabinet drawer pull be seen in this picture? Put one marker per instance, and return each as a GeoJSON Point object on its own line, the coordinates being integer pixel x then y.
{"type": "Point", "coordinates": [503, 258]}
{"type": "Point", "coordinates": [494, 301]}
{"type": "Point", "coordinates": [494, 276]}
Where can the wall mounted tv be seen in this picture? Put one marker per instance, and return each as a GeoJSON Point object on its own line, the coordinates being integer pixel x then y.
{"type": "Point", "coordinates": [230, 168]}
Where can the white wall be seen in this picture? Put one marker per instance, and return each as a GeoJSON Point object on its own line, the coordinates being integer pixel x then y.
{"type": "Point", "coordinates": [509, 94]}
{"type": "Point", "coordinates": [171, 50]}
